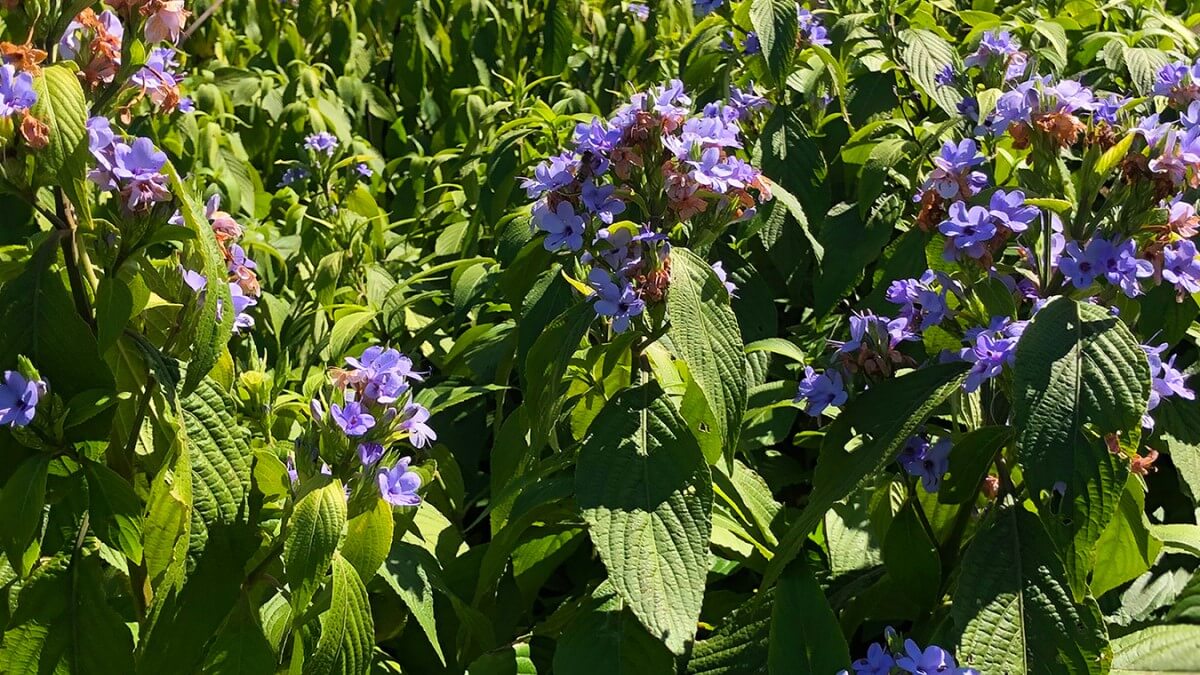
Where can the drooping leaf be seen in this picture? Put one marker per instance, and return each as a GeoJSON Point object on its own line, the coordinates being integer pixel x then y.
{"type": "Point", "coordinates": [1016, 613]}
{"type": "Point", "coordinates": [1157, 649]}
{"type": "Point", "coordinates": [314, 531]}
{"type": "Point", "coordinates": [368, 538]}
{"type": "Point", "coordinates": [805, 636]}
{"type": "Point", "coordinates": [406, 571]}
{"type": "Point", "coordinates": [347, 628]}
{"type": "Point", "coordinates": [646, 494]}
{"type": "Point", "coordinates": [969, 462]}
{"type": "Point", "coordinates": [240, 648]}
{"type": "Point", "coordinates": [116, 511]}
{"type": "Point", "coordinates": [21, 504]}
{"type": "Point", "coordinates": [1079, 375]}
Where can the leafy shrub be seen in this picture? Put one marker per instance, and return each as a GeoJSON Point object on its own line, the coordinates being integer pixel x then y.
{"type": "Point", "coordinates": [559, 336]}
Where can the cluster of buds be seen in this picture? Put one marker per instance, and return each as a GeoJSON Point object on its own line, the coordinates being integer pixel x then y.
{"type": "Point", "coordinates": [372, 409]}
{"type": "Point", "coordinates": [658, 164]}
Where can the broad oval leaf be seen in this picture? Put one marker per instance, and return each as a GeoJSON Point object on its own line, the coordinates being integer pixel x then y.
{"type": "Point", "coordinates": [314, 531]}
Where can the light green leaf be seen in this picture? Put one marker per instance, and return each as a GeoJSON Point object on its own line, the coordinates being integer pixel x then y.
{"type": "Point", "coordinates": [1016, 612]}
{"type": "Point", "coordinates": [1128, 547]}
{"type": "Point", "coordinates": [116, 511]}
{"type": "Point", "coordinates": [114, 307]}
{"type": "Point", "coordinates": [546, 364]}
{"type": "Point", "coordinates": [314, 531]}
{"type": "Point", "coordinates": [704, 333]}
{"type": "Point", "coordinates": [1157, 649]}
{"type": "Point", "coordinates": [1079, 373]}
{"type": "Point", "coordinates": [777, 26]}
{"type": "Point", "coordinates": [368, 538]}
{"type": "Point", "coordinates": [210, 333]}
{"type": "Point", "coordinates": [740, 644]}
{"type": "Point", "coordinates": [887, 414]}
{"type": "Point", "coordinates": [62, 106]}
{"type": "Point", "coordinates": [346, 330]}
{"type": "Point", "coordinates": [219, 456]}
{"type": "Point", "coordinates": [646, 494]}
{"type": "Point", "coordinates": [779, 346]}
{"type": "Point", "coordinates": [511, 659]}
{"type": "Point", "coordinates": [925, 54]}
{"type": "Point", "coordinates": [347, 629]}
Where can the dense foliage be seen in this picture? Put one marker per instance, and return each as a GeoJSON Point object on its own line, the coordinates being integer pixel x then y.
{"type": "Point", "coordinates": [586, 336]}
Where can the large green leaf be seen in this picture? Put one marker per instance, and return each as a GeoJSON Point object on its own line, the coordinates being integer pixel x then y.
{"type": "Point", "coordinates": [646, 493]}
{"type": "Point", "coordinates": [886, 415]}
{"type": "Point", "coordinates": [924, 55]}
{"type": "Point", "coordinates": [911, 557]}
{"type": "Point", "coordinates": [213, 324]}
{"type": "Point", "coordinates": [21, 505]}
{"type": "Point", "coordinates": [546, 364]}
{"type": "Point", "coordinates": [739, 646]}
{"type": "Point", "coordinates": [347, 629]}
{"type": "Point", "coordinates": [704, 333]}
{"type": "Point", "coordinates": [777, 26]}
{"type": "Point", "coordinates": [1127, 548]}
{"type": "Point", "coordinates": [314, 531]}
{"type": "Point", "coordinates": [1014, 608]}
{"type": "Point", "coordinates": [220, 459]}
{"type": "Point", "coordinates": [1079, 375]}
{"type": "Point", "coordinates": [62, 106]}
{"type": "Point", "coordinates": [116, 511]}
{"type": "Point", "coordinates": [407, 571]}
{"type": "Point", "coordinates": [805, 636]}
{"type": "Point", "coordinates": [1157, 649]}
{"type": "Point", "coordinates": [240, 648]}
{"type": "Point", "coordinates": [608, 640]}
{"type": "Point", "coordinates": [969, 462]}
{"type": "Point", "coordinates": [368, 538]}
{"type": "Point", "coordinates": [1177, 430]}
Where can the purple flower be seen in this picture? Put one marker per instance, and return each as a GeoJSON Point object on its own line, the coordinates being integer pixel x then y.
{"type": "Point", "coordinates": [705, 7]}
{"type": "Point", "coordinates": [364, 170]}
{"type": "Point", "coordinates": [241, 302]}
{"type": "Point", "coordinates": [820, 391]}
{"type": "Point", "coordinates": [1181, 266]}
{"type": "Point", "coordinates": [1008, 209]}
{"type": "Point", "coordinates": [71, 41]}
{"type": "Point", "coordinates": [1150, 129]}
{"type": "Point", "coordinates": [295, 174]}
{"type": "Point", "coordinates": [1015, 106]}
{"type": "Point", "coordinates": [877, 662]}
{"type": "Point", "coordinates": [920, 304]}
{"type": "Point", "coordinates": [564, 229]}
{"type": "Point", "coordinates": [158, 78]}
{"type": "Point", "coordinates": [671, 99]}
{"type": "Point", "coordinates": [751, 45]}
{"type": "Point", "coordinates": [933, 661]}
{"type": "Point", "coordinates": [811, 30]}
{"type": "Point", "coordinates": [413, 419]}
{"type": "Point", "coordinates": [193, 280]}
{"type": "Point", "coordinates": [1069, 96]}
{"type": "Point", "coordinates": [557, 171]}
{"type": "Point", "coordinates": [16, 91]}
{"type": "Point", "coordinates": [988, 354]}
{"type": "Point", "coordinates": [354, 420]}
{"type": "Point", "coordinates": [1108, 107]}
{"type": "Point", "coordinates": [613, 300]}
{"type": "Point", "coordinates": [369, 453]}
{"type": "Point", "coordinates": [952, 177]}
{"type": "Point", "coordinates": [1120, 264]}
{"type": "Point", "coordinates": [723, 276]}
{"type": "Point", "coordinates": [238, 259]}
{"type": "Point", "coordinates": [322, 141]}
{"type": "Point", "coordinates": [600, 201]}
{"type": "Point", "coordinates": [969, 229]}
{"type": "Point", "coordinates": [19, 399]}
{"type": "Point", "coordinates": [712, 171]}
{"type": "Point", "coordinates": [929, 462]}
{"type": "Point", "coordinates": [746, 101]}
{"type": "Point", "coordinates": [993, 45]}
{"type": "Point", "coordinates": [1165, 380]}
{"type": "Point", "coordinates": [639, 11]}
{"type": "Point", "coordinates": [398, 485]}
{"type": "Point", "coordinates": [946, 76]}
{"type": "Point", "coordinates": [869, 330]}
{"type": "Point", "coordinates": [1078, 266]}
{"type": "Point", "coordinates": [138, 168]}
{"type": "Point", "coordinates": [1178, 154]}
{"type": "Point", "coordinates": [383, 373]}
{"type": "Point", "coordinates": [1178, 82]}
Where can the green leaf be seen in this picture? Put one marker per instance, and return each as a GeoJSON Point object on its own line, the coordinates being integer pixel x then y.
{"type": "Point", "coordinates": [1127, 547]}
{"type": "Point", "coordinates": [557, 35]}
{"type": "Point", "coordinates": [314, 531]}
{"type": "Point", "coordinates": [1016, 612]}
{"type": "Point", "coordinates": [608, 640]}
{"type": "Point", "coordinates": [704, 333]}
{"type": "Point", "coordinates": [210, 333]}
{"type": "Point", "coordinates": [925, 54]}
{"type": "Point", "coordinates": [406, 571]}
{"type": "Point", "coordinates": [514, 659]}
{"type": "Point", "coordinates": [1144, 64]}
{"type": "Point", "coordinates": [240, 648]}
{"type": "Point", "coordinates": [220, 459]}
{"type": "Point", "coordinates": [1177, 430]}
{"type": "Point", "coordinates": [887, 414]}
{"type": "Point", "coordinates": [114, 308]}
{"type": "Point", "coordinates": [62, 106]}
{"type": "Point", "coordinates": [1079, 374]}
{"type": "Point", "coordinates": [777, 26]}
{"type": "Point", "coordinates": [911, 557]}
{"type": "Point", "coordinates": [546, 365]}
{"type": "Point", "coordinates": [740, 645]}
{"type": "Point", "coordinates": [969, 462]}
{"type": "Point", "coordinates": [116, 511]}
{"type": "Point", "coordinates": [168, 526]}
{"type": "Point", "coordinates": [347, 629]}
{"type": "Point", "coordinates": [778, 346]}
{"type": "Point", "coordinates": [646, 493]}
{"type": "Point", "coordinates": [1157, 649]}
{"type": "Point", "coordinates": [21, 506]}
{"type": "Point", "coordinates": [368, 538]}
{"type": "Point", "coordinates": [805, 636]}
{"type": "Point", "coordinates": [346, 330]}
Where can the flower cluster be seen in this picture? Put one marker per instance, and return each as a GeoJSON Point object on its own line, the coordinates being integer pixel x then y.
{"type": "Point", "coordinates": [321, 148]}
{"type": "Point", "coordinates": [17, 97]}
{"type": "Point", "coordinates": [374, 408]}
{"type": "Point", "coordinates": [133, 170]}
{"type": "Point", "coordinates": [990, 349]}
{"type": "Point", "coordinates": [94, 42]}
{"type": "Point", "coordinates": [913, 659]}
{"type": "Point", "coordinates": [1166, 381]}
{"type": "Point", "coordinates": [242, 278]}
{"type": "Point", "coordinates": [19, 398]}
{"type": "Point", "coordinates": [658, 163]}
{"type": "Point", "coordinates": [927, 461]}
